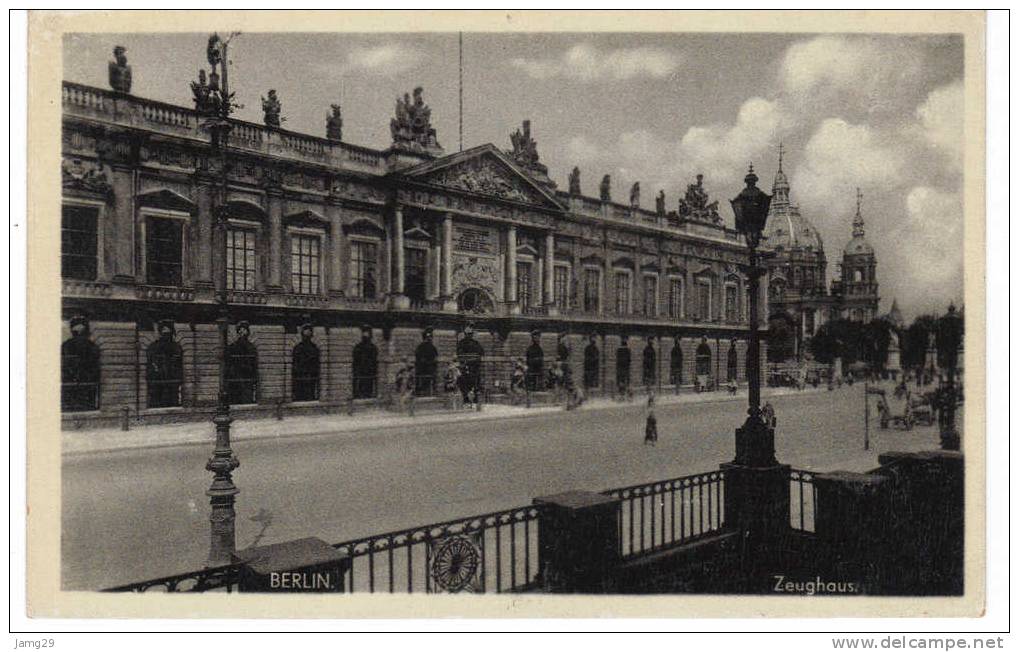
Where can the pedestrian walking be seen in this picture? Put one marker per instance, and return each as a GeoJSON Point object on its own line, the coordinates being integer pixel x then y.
{"type": "Point", "coordinates": [451, 384]}
{"type": "Point", "coordinates": [650, 423]}
{"type": "Point", "coordinates": [768, 415]}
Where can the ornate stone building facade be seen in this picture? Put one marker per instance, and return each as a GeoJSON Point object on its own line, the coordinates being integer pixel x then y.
{"type": "Point", "coordinates": [798, 293]}
{"type": "Point", "coordinates": [323, 237]}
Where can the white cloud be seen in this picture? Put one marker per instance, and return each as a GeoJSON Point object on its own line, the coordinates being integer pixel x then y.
{"type": "Point", "coordinates": [840, 157]}
{"type": "Point", "coordinates": [390, 59]}
{"type": "Point", "coordinates": [871, 73]}
{"type": "Point", "coordinates": [585, 62]}
{"type": "Point", "coordinates": [933, 231]}
{"type": "Point", "coordinates": [941, 119]}
{"type": "Point", "coordinates": [582, 150]}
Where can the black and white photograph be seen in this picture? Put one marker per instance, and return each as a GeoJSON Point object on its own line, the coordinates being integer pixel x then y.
{"type": "Point", "coordinates": [667, 312]}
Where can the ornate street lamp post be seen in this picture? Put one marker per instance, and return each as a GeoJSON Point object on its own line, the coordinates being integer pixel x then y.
{"type": "Point", "coordinates": [222, 492]}
{"type": "Point", "coordinates": [755, 441]}
{"type": "Point", "coordinates": [949, 338]}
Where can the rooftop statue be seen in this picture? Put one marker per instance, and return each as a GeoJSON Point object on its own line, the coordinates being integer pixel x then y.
{"type": "Point", "coordinates": [334, 124]}
{"type": "Point", "coordinates": [575, 181]}
{"type": "Point", "coordinates": [525, 149]}
{"type": "Point", "coordinates": [605, 189]}
{"type": "Point", "coordinates": [271, 108]}
{"type": "Point", "coordinates": [412, 125]}
{"type": "Point", "coordinates": [635, 194]}
{"type": "Point", "coordinates": [120, 72]}
{"type": "Point", "coordinates": [206, 101]}
{"type": "Point", "coordinates": [660, 203]}
{"type": "Point", "coordinates": [695, 204]}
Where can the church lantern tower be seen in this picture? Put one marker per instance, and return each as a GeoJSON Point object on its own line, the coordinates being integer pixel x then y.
{"type": "Point", "coordinates": [859, 272]}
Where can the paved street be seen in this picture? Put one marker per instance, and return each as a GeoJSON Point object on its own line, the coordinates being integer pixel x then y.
{"type": "Point", "coordinates": [133, 514]}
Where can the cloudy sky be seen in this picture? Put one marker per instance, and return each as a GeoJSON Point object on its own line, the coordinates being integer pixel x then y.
{"type": "Point", "coordinates": [884, 113]}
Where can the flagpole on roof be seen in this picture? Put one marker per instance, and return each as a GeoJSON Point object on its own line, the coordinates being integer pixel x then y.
{"type": "Point", "coordinates": [461, 91]}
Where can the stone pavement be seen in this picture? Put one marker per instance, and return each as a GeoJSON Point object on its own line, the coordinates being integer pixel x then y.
{"type": "Point", "coordinates": [76, 442]}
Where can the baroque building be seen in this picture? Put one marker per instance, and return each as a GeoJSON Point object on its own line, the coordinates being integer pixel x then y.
{"type": "Point", "coordinates": [341, 262]}
{"type": "Point", "coordinates": [799, 296]}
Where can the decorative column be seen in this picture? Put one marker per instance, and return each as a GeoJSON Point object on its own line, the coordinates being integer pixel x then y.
{"type": "Point", "coordinates": [447, 264]}
{"type": "Point", "coordinates": [550, 272]}
{"type": "Point", "coordinates": [275, 239]}
{"type": "Point", "coordinates": [336, 238]}
{"type": "Point", "coordinates": [399, 299]}
{"type": "Point", "coordinates": [511, 270]}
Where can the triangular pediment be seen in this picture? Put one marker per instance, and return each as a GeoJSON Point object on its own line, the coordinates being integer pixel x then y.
{"type": "Point", "coordinates": [483, 170]}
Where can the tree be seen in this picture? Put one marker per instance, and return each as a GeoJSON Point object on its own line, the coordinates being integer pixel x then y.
{"type": "Point", "coordinates": [781, 339]}
{"type": "Point", "coordinates": [915, 339]}
{"type": "Point", "coordinates": [875, 337]}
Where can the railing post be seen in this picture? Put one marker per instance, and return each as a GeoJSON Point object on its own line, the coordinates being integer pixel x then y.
{"type": "Point", "coordinates": [757, 506]}
{"type": "Point", "coordinates": [851, 515]}
{"type": "Point", "coordinates": [578, 541]}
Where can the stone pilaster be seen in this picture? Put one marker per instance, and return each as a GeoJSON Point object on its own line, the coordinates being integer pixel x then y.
{"type": "Point", "coordinates": [511, 269]}
{"type": "Point", "coordinates": [275, 240]}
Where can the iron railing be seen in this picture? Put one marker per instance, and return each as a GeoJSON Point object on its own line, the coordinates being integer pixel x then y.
{"type": "Point", "coordinates": [496, 552]}
{"type": "Point", "coordinates": [802, 500]}
{"type": "Point", "coordinates": [219, 578]}
{"type": "Point", "coordinates": [660, 515]}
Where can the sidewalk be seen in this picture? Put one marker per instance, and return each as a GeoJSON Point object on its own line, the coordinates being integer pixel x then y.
{"type": "Point", "coordinates": [79, 442]}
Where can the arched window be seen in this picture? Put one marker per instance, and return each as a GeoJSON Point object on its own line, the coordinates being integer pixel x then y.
{"type": "Point", "coordinates": [306, 370]}
{"type": "Point", "coordinates": [703, 360]}
{"type": "Point", "coordinates": [731, 363]}
{"type": "Point", "coordinates": [857, 275]}
{"type": "Point", "coordinates": [676, 365]}
{"type": "Point", "coordinates": [79, 373]}
{"type": "Point", "coordinates": [650, 367]}
{"type": "Point", "coordinates": [592, 365]}
{"type": "Point", "coordinates": [623, 367]}
{"type": "Point", "coordinates": [365, 367]}
{"type": "Point", "coordinates": [475, 301]}
{"type": "Point", "coordinates": [241, 371]}
{"type": "Point", "coordinates": [164, 371]}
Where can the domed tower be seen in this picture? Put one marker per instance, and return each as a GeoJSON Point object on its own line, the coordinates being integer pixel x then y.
{"type": "Point", "coordinates": [797, 268]}
{"type": "Point", "coordinates": [859, 273]}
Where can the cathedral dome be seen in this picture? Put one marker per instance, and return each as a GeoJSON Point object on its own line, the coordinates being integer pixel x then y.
{"type": "Point", "coordinates": [787, 229]}
{"type": "Point", "coordinates": [858, 245]}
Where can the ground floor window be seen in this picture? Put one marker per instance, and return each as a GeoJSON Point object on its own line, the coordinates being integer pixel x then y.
{"type": "Point", "coordinates": [592, 366]}
{"type": "Point", "coordinates": [164, 373]}
{"type": "Point", "coordinates": [732, 366]}
{"type": "Point", "coordinates": [676, 365]}
{"type": "Point", "coordinates": [241, 372]}
{"type": "Point", "coordinates": [703, 360]}
{"type": "Point", "coordinates": [306, 372]}
{"type": "Point", "coordinates": [79, 375]}
{"type": "Point", "coordinates": [365, 369]}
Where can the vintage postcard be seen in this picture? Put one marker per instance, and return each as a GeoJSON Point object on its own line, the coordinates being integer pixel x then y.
{"type": "Point", "coordinates": [506, 314]}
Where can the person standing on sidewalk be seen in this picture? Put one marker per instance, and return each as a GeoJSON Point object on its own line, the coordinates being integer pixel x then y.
{"type": "Point", "coordinates": [535, 362]}
{"type": "Point", "coordinates": [469, 353]}
{"type": "Point", "coordinates": [650, 422]}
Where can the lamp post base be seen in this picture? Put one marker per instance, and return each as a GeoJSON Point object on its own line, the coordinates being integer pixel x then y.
{"type": "Point", "coordinates": [755, 442]}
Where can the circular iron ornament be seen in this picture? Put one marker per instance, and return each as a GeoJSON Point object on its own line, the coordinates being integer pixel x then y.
{"type": "Point", "coordinates": [455, 562]}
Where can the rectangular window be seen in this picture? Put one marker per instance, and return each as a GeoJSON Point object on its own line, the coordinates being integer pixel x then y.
{"type": "Point", "coordinates": [240, 259]}
{"type": "Point", "coordinates": [363, 269]}
{"type": "Point", "coordinates": [675, 298]}
{"type": "Point", "coordinates": [592, 287]}
{"type": "Point", "coordinates": [622, 293]}
{"type": "Point", "coordinates": [704, 300]}
{"type": "Point", "coordinates": [165, 251]}
{"type": "Point", "coordinates": [561, 287]}
{"type": "Point", "coordinates": [731, 304]}
{"type": "Point", "coordinates": [304, 263]}
{"type": "Point", "coordinates": [650, 296]}
{"type": "Point", "coordinates": [78, 242]}
{"type": "Point", "coordinates": [415, 272]}
{"type": "Point", "coordinates": [524, 284]}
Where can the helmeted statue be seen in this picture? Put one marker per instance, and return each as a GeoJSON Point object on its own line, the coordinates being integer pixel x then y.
{"type": "Point", "coordinates": [334, 124]}
{"type": "Point", "coordinates": [605, 189]}
{"type": "Point", "coordinates": [411, 127]}
{"type": "Point", "coordinates": [695, 204]}
{"type": "Point", "coordinates": [205, 101]}
{"type": "Point", "coordinates": [120, 72]}
{"type": "Point", "coordinates": [271, 108]}
{"type": "Point", "coordinates": [575, 181]}
{"type": "Point", "coordinates": [635, 194]}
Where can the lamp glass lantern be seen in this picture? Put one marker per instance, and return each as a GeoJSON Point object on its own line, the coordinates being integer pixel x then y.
{"type": "Point", "coordinates": [751, 210]}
